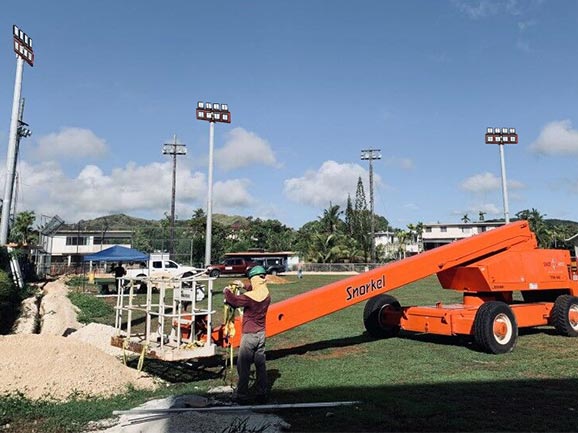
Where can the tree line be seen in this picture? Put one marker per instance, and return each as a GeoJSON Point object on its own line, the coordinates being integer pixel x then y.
{"type": "Point", "coordinates": [336, 236]}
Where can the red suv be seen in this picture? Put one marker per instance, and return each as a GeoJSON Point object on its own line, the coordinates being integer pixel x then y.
{"type": "Point", "coordinates": [231, 266]}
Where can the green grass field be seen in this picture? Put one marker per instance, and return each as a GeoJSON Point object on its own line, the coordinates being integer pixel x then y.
{"type": "Point", "coordinates": [414, 382]}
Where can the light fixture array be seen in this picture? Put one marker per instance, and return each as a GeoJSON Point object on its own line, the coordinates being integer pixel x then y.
{"type": "Point", "coordinates": [501, 136]}
{"type": "Point", "coordinates": [213, 112]}
{"type": "Point", "coordinates": [23, 45]}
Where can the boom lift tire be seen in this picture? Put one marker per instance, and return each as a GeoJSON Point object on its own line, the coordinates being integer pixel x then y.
{"type": "Point", "coordinates": [565, 315]}
{"type": "Point", "coordinates": [141, 284]}
{"type": "Point", "coordinates": [373, 314]}
{"type": "Point", "coordinates": [495, 328]}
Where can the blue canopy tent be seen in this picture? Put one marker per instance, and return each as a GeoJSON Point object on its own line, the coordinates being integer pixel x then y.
{"type": "Point", "coordinates": [117, 254]}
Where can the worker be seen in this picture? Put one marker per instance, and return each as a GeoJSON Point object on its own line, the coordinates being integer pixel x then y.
{"type": "Point", "coordinates": [255, 302]}
{"type": "Point", "coordinates": [119, 273]}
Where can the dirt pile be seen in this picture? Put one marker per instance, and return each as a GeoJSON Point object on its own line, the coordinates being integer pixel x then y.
{"type": "Point", "coordinates": [59, 367]}
{"type": "Point", "coordinates": [50, 365]}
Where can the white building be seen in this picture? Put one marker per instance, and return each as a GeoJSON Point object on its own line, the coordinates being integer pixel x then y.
{"type": "Point", "coordinates": [67, 247]}
{"type": "Point", "coordinates": [433, 235]}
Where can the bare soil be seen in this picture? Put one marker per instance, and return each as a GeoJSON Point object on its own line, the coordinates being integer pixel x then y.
{"type": "Point", "coordinates": [49, 365]}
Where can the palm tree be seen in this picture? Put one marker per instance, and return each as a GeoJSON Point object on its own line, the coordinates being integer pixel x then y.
{"type": "Point", "coordinates": [466, 218]}
{"type": "Point", "coordinates": [21, 231]}
{"type": "Point", "coordinates": [330, 221]}
{"type": "Point", "coordinates": [537, 225]}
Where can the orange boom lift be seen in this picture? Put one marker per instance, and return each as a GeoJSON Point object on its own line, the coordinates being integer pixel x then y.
{"type": "Point", "coordinates": [488, 268]}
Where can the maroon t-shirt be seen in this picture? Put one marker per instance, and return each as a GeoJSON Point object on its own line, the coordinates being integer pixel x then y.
{"type": "Point", "coordinates": [254, 312]}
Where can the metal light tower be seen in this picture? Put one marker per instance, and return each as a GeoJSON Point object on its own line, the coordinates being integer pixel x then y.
{"type": "Point", "coordinates": [23, 132]}
{"type": "Point", "coordinates": [174, 149]}
{"type": "Point", "coordinates": [501, 136]}
{"type": "Point", "coordinates": [370, 155]}
{"type": "Point", "coordinates": [24, 53]}
{"type": "Point", "coordinates": [211, 113]}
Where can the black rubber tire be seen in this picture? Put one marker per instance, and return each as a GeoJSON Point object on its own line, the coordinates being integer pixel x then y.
{"type": "Point", "coordinates": [372, 314]}
{"type": "Point", "coordinates": [142, 286]}
{"type": "Point", "coordinates": [214, 273]}
{"type": "Point", "coordinates": [485, 335]}
{"type": "Point", "coordinates": [560, 315]}
{"type": "Point", "coordinates": [187, 284]}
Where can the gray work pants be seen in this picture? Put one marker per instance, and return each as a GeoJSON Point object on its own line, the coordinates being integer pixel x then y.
{"type": "Point", "coordinates": [252, 351]}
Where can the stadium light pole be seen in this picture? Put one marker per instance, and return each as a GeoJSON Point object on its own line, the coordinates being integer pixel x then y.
{"type": "Point", "coordinates": [370, 155]}
{"type": "Point", "coordinates": [211, 112]}
{"type": "Point", "coordinates": [23, 132]}
{"type": "Point", "coordinates": [501, 136]}
{"type": "Point", "coordinates": [24, 53]}
{"type": "Point", "coordinates": [174, 149]}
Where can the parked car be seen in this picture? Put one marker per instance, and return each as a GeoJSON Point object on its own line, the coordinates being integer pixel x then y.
{"type": "Point", "coordinates": [231, 266]}
{"type": "Point", "coordinates": [273, 265]}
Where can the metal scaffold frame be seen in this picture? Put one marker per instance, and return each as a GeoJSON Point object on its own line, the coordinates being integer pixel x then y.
{"type": "Point", "coordinates": [189, 331]}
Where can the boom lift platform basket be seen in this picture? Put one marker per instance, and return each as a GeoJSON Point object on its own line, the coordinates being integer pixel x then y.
{"type": "Point", "coordinates": [177, 319]}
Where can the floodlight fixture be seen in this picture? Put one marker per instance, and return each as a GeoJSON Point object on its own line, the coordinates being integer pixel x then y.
{"type": "Point", "coordinates": [501, 136]}
{"type": "Point", "coordinates": [21, 36]}
{"type": "Point", "coordinates": [213, 112]}
{"type": "Point", "coordinates": [23, 45]}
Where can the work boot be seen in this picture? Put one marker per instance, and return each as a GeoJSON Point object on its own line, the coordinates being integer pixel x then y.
{"type": "Point", "coordinates": [242, 399]}
{"type": "Point", "coordinates": [261, 399]}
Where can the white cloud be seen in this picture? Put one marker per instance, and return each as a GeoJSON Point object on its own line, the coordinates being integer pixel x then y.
{"type": "Point", "coordinates": [557, 138]}
{"type": "Point", "coordinates": [243, 148]}
{"type": "Point", "coordinates": [486, 182]}
{"type": "Point", "coordinates": [332, 182]}
{"type": "Point", "coordinates": [135, 190]}
{"type": "Point", "coordinates": [232, 194]}
{"type": "Point", "coordinates": [481, 183]}
{"type": "Point", "coordinates": [70, 143]}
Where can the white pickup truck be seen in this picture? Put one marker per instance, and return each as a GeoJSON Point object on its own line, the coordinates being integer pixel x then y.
{"type": "Point", "coordinates": [159, 266]}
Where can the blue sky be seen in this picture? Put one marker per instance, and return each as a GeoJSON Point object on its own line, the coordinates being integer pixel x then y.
{"type": "Point", "coordinates": [309, 85]}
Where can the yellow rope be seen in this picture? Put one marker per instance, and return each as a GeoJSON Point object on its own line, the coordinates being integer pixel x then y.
{"type": "Point", "coordinates": [142, 357]}
{"type": "Point", "coordinates": [229, 314]}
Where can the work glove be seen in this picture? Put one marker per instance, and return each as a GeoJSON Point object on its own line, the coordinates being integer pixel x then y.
{"type": "Point", "coordinates": [239, 284]}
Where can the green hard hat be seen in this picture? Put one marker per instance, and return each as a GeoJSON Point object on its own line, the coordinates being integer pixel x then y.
{"type": "Point", "coordinates": [256, 270]}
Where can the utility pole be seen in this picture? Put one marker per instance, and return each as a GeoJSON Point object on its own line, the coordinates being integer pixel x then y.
{"type": "Point", "coordinates": [173, 149]}
{"type": "Point", "coordinates": [370, 155]}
